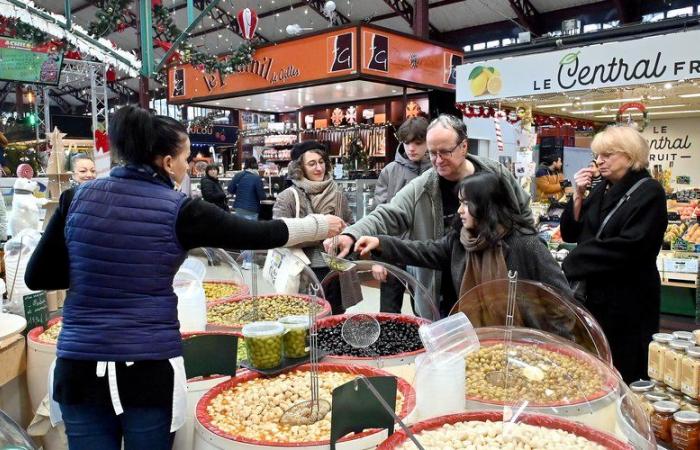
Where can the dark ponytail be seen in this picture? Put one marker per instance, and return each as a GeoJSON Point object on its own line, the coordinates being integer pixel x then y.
{"type": "Point", "coordinates": [139, 136]}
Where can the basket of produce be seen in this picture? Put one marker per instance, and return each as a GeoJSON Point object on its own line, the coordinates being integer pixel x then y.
{"type": "Point", "coordinates": [486, 430]}
{"type": "Point", "coordinates": [233, 314]}
{"type": "Point", "coordinates": [217, 290]}
{"type": "Point", "coordinates": [398, 341]}
{"type": "Point", "coordinates": [245, 411]}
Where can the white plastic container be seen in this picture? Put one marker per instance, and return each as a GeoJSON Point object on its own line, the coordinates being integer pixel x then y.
{"type": "Point", "coordinates": [440, 387]}
{"type": "Point", "coordinates": [264, 342]}
{"type": "Point", "coordinates": [191, 305]}
{"type": "Point", "coordinates": [453, 335]}
{"type": "Point", "coordinates": [40, 356]}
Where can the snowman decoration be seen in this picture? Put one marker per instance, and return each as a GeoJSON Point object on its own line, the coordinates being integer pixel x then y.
{"type": "Point", "coordinates": [25, 207]}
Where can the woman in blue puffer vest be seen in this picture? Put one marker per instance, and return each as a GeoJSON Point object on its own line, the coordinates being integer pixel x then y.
{"type": "Point", "coordinates": [117, 243]}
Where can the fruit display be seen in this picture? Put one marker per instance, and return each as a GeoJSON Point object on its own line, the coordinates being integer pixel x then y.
{"type": "Point", "coordinates": [248, 408]}
{"type": "Point", "coordinates": [485, 430]}
{"type": "Point", "coordinates": [674, 231]}
{"type": "Point", "coordinates": [237, 312]}
{"type": "Point", "coordinates": [537, 374]}
{"type": "Point", "coordinates": [398, 334]}
{"type": "Point", "coordinates": [222, 290]}
{"type": "Point", "coordinates": [693, 234]}
{"type": "Point", "coordinates": [485, 81]}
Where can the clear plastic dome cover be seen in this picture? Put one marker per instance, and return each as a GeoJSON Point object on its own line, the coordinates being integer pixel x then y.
{"type": "Point", "coordinates": [537, 306]}
{"type": "Point", "coordinates": [268, 288]}
{"type": "Point", "coordinates": [12, 436]}
{"type": "Point", "coordinates": [525, 387]}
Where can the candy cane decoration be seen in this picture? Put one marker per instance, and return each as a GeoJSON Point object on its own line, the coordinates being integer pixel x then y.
{"type": "Point", "coordinates": [497, 117]}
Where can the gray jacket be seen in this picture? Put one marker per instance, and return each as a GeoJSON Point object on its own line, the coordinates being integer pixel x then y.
{"type": "Point", "coordinates": [285, 206]}
{"type": "Point", "coordinates": [524, 252]}
{"type": "Point", "coordinates": [398, 174]}
{"type": "Point", "coordinates": [417, 210]}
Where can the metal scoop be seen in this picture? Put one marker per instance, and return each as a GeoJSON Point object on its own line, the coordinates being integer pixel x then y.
{"type": "Point", "coordinates": [360, 330]}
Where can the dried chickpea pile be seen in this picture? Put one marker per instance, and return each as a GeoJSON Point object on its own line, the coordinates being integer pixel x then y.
{"type": "Point", "coordinates": [535, 374]}
{"type": "Point", "coordinates": [269, 308]}
{"type": "Point", "coordinates": [253, 409]}
{"type": "Point", "coordinates": [50, 335]}
{"type": "Point", "coordinates": [217, 291]}
{"type": "Point", "coordinates": [489, 435]}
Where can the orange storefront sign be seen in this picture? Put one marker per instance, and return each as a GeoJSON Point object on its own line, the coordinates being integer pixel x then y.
{"type": "Point", "coordinates": [320, 58]}
{"type": "Point", "coordinates": [399, 57]}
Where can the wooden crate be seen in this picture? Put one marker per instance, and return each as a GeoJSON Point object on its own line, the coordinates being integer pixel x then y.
{"type": "Point", "coordinates": [13, 358]}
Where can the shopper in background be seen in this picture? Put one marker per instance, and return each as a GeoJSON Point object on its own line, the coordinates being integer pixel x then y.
{"type": "Point", "coordinates": [549, 179]}
{"type": "Point", "coordinates": [117, 244]}
{"type": "Point", "coordinates": [313, 192]}
{"type": "Point", "coordinates": [426, 207]}
{"type": "Point", "coordinates": [490, 238]}
{"type": "Point", "coordinates": [248, 188]}
{"type": "Point", "coordinates": [615, 258]}
{"type": "Point", "coordinates": [410, 161]}
{"type": "Point", "coordinates": [211, 187]}
{"type": "Point", "coordinates": [83, 168]}
{"type": "Point", "coordinates": [596, 178]}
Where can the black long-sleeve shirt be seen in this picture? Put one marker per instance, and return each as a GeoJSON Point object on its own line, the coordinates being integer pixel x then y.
{"type": "Point", "coordinates": [145, 383]}
{"type": "Point", "coordinates": [199, 224]}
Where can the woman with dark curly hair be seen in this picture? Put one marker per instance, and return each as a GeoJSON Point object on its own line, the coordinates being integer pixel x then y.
{"type": "Point", "coordinates": [211, 188]}
{"type": "Point", "coordinates": [313, 191]}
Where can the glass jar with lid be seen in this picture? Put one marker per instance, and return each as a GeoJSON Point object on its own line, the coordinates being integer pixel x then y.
{"type": "Point", "coordinates": [696, 333]}
{"type": "Point", "coordinates": [657, 348]}
{"type": "Point", "coordinates": [690, 404]}
{"type": "Point", "coordinates": [684, 336]}
{"type": "Point", "coordinates": [685, 430]}
{"type": "Point", "coordinates": [650, 398]}
{"type": "Point", "coordinates": [674, 395]}
{"type": "Point", "coordinates": [690, 372]}
{"type": "Point", "coordinates": [641, 387]}
{"type": "Point", "coordinates": [673, 358]}
{"type": "Point", "coordinates": [662, 419]}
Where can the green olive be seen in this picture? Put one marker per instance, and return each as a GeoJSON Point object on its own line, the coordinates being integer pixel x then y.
{"type": "Point", "coordinates": [264, 352]}
{"type": "Point", "coordinates": [295, 342]}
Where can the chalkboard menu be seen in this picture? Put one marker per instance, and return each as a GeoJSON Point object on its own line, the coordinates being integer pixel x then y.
{"type": "Point", "coordinates": [36, 309]}
{"type": "Point", "coordinates": [22, 61]}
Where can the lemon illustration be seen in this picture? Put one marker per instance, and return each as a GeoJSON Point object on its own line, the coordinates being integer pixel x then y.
{"type": "Point", "coordinates": [478, 84]}
{"type": "Point", "coordinates": [494, 84]}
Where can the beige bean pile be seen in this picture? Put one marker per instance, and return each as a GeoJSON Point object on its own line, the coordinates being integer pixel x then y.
{"type": "Point", "coordinates": [216, 291]}
{"type": "Point", "coordinates": [535, 375]}
{"type": "Point", "coordinates": [50, 335]}
{"type": "Point", "coordinates": [253, 409]}
{"type": "Point", "coordinates": [269, 308]}
{"type": "Point", "coordinates": [488, 435]}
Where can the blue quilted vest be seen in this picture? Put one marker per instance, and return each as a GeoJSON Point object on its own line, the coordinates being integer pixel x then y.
{"type": "Point", "coordinates": [123, 256]}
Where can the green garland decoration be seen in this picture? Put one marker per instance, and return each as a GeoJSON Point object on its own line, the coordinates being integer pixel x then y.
{"type": "Point", "coordinates": [109, 18]}
{"type": "Point", "coordinates": [20, 30]}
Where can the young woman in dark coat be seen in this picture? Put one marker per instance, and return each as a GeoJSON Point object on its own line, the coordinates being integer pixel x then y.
{"type": "Point", "coordinates": [618, 268]}
{"type": "Point", "coordinates": [211, 188]}
{"type": "Point", "coordinates": [490, 240]}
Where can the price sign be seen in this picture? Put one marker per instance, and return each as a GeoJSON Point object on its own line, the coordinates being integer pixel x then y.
{"type": "Point", "coordinates": [36, 309]}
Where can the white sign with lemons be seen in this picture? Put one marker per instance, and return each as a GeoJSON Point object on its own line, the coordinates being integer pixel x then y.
{"type": "Point", "coordinates": [653, 59]}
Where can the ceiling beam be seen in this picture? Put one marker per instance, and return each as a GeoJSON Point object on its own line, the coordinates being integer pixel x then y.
{"type": "Point", "coordinates": [405, 10]}
{"type": "Point", "coordinates": [599, 12]}
{"type": "Point", "coordinates": [528, 16]}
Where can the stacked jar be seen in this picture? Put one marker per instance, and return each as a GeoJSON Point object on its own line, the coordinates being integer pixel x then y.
{"type": "Point", "coordinates": [690, 373]}
{"type": "Point", "coordinates": [650, 398]}
{"type": "Point", "coordinates": [662, 419]}
{"type": "Point", "coordinates": [673, 359]}
{"type": "Point", "coordinates": [685, 430]}
{"type": "Point", "coordinates": [657, 351]}
{"type": "Point", "coordinates": [684, 336]}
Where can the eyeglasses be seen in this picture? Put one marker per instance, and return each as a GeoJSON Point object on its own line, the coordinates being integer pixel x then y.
{"type": "Point", "coordinates": [314, 164]}
{"type": "Point", "coordinates": [444, 153]}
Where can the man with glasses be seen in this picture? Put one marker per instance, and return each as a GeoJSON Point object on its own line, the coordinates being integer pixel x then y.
{"type": "Point", "coordinates": [410, 161]}
{"type": "Point", "coordinates": [425, 207]}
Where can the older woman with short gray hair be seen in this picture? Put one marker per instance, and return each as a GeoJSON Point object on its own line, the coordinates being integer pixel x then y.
{"type": "Point", "coordinates": [619, 228]}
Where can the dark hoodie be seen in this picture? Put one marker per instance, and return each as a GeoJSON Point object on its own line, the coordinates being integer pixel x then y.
{"type": "Point", "coordinates": [398, 174]}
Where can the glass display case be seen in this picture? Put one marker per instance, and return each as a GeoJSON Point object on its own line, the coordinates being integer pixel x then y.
{"type": "Point", "coordinates": [360, 194]}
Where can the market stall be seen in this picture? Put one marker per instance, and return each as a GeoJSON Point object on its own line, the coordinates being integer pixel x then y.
{"type": "Point", "coordinates": [348, 88]}
{"type": "Point", "coordinates": [526, 106]}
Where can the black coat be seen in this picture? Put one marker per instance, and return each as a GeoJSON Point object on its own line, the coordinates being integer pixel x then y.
{"type": "Point", "coordinates": [623, 288]}
{"type": "Point", "coordinates": [213, 192]}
